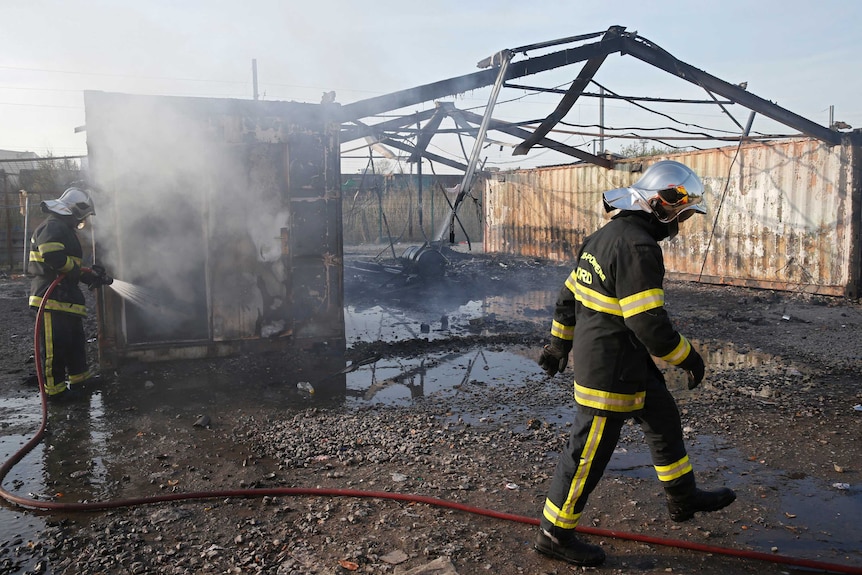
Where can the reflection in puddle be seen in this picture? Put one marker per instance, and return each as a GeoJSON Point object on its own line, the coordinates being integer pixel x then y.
{"type": "Point", "coordinates": [19, 418]}
{"type": "Point", "coordinates": [808, 515]}
{"type": "Point", "coordinates": [394, 381]}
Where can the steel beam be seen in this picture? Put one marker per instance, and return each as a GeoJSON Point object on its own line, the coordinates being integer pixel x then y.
{"type": "Point", "coordinates": [572, 94]}
{"type": "Point", "coordinates": [427, 132]}
{"type": "Point", "coordinates": [425, 154]}
{"type": "Point", "coordinates": [476, 80]}
{"type": "Point", "coordinates": [361, 130]}
{"type": "Point", "coordinates": [644, 50]}
{"type": "Point", "coordinates": [550, 144]}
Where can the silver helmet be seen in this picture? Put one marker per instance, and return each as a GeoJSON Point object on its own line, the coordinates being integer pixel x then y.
{"type": "Point", "coordinates": [74, 202]}
{"type": "Point", "coordinates": [669, 190]}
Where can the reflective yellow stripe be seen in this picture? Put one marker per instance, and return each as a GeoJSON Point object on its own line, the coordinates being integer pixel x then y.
{"type": "Point", "coordinates": [679, 353]}
{"type": "Point", "coordinates": [49, 247]}
{"type": "Point", "coordinates": [562, 331]}
{"type": "Point", "coordinates": [52, 387]}
{"type": "Point", "coordinates": [555, 515]}
{"type": "Point", "coordinates": [68, 266]}
{"type": "Point", "coordinates": [674, 470]}
{"type": "Point", "coordinates": [54, 305]}
{"type": "Point", "coordinates": [571, 282]}
{"type": "Point", "coordinates": [565, 517]}
{"type": "Point", "coordinates": [36, 257]}
{"type": "Point", "coordinates": [642, 301]}
{"type": "Point", "coordinates": [595, 301]}
{"type": "Point", "coordinates": [616, 402]}
{"type": "Point", "coordinates": [79, 377]}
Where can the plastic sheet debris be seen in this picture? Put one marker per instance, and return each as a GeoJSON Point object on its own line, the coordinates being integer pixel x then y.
{"type": "Point", "coordinates": [305, 386]}
{"type": "Point", "coordinates": [858, 407]}
{"type": "Point", "coordinates": [841, 486]}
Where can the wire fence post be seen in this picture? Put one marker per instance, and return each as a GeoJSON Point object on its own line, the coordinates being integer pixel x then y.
{"type": "Point", "coordinates": [26, 215]}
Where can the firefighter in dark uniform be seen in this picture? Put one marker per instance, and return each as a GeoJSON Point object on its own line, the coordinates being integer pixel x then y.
{"type": "Point", "coordinates": [54, 250]}
{"type": "Point", "coordinates": [610, 313]}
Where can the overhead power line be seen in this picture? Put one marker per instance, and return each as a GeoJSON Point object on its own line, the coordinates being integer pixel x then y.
{"type": "Point", "coordinates": [616, 96]}
{"type": "Point", "coordinates": [114, 75]}
{"type": "Point", "coordinates": [40, 105]}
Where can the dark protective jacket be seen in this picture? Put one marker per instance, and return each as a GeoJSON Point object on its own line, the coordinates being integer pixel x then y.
{"type": "Point", "coordinates": [55, 249]}
{"type": "Point", "coordinates": [612, 310]}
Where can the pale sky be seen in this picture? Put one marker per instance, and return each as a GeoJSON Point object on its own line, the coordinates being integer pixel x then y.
{"type": "Point", "coordinates": [802, 55]}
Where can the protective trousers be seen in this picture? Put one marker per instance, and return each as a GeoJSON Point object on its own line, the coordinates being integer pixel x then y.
{"type": "Point", "coordinates": [591, 444]}
{"type": "Point", "coordinates": [64, 351]}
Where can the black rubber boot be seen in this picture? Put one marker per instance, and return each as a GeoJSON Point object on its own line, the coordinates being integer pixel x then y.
{"type": "Point", "coordinates": [69, 395]}
{"type": "Point", "coordinates": [683, 507]}
{"type": "Point", "coordinates": [569, 548]}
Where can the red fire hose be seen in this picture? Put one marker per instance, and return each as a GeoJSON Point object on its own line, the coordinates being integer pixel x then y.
{"type": "Point", "coordinates": [326, 492]}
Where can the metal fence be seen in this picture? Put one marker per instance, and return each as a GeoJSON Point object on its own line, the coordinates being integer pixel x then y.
{"type": "Point", "coordinates": [398, 208]}
{"type": "Point", "coordinates": [19, 215]}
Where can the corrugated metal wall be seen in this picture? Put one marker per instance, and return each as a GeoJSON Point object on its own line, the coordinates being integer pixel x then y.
{"type": "Point", "coordinates": [781, 215]}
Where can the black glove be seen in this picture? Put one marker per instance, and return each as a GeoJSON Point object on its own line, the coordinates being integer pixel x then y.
{"type": "Point", "coordinates": [555, 356]}
{"type": "Point", "coordinates": [693, 364]}
{"type": "Point", "coordinates": [96, 277]}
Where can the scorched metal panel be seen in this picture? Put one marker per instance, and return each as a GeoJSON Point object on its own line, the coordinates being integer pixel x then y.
{"type": "Point", "coordinates": [214, 212]}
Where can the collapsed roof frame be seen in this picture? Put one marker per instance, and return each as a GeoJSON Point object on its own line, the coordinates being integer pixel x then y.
{"type": "Point", "coordinates": [614, 40]}
{"type": "Point", "coordinates": [499, 69]}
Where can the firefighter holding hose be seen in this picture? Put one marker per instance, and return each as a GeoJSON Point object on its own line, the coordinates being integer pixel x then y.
{"type": "Point", "coordinates": [611, 314]}
{"type": "Point", "coordinates": [55, 250]}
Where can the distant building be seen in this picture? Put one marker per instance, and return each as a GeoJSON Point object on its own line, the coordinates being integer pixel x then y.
{"type": "Point", "coordinates": [41, 178]}
{"type": "Point", "coordinates": [12, 162]}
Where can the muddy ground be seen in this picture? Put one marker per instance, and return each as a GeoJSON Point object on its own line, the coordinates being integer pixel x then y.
{"type": "Point", "coordinates": [447, 403]}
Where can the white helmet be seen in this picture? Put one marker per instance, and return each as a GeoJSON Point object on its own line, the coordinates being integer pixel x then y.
{"type": "Point", "coordinates": [74, 202]}
{"type": "Point", "coordinates": [666, 189]}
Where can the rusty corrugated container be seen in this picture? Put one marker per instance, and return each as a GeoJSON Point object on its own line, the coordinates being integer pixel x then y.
{"type": "Point", "coordinates": [223, 217]}
{"type": "Point", "coordinates": [781, 215]}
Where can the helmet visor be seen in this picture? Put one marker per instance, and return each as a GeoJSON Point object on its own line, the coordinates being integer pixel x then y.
{"type": "Point", "coordinates": [673, 202]}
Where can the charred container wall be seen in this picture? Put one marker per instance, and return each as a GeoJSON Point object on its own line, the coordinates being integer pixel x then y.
{"type": "Point", "coordinates": [224, 219]}
{"type": "Point", "coordinates": [780, 215]}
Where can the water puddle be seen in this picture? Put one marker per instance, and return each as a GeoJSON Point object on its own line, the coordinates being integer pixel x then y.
{"type": "Point", "coordinates": [809, 515]}
{"type": "Point", "coordinates": [398, 381]}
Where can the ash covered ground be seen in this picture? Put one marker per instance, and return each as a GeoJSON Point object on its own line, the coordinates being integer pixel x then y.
{"type": "Point", "coordinates": [452, 407]}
